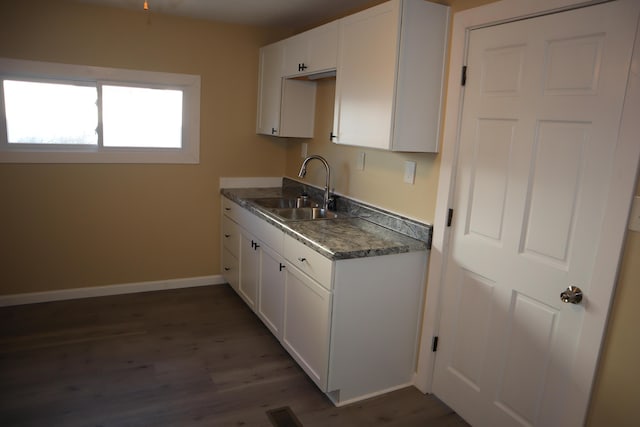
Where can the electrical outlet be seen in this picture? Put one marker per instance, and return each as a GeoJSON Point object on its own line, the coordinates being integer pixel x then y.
{"type": "Point", "coordinates": [409, 172]}
{"type": "Point", "coordinates": [634, 219]}
{"type": "Point", "coordinates": [360, 161]}
{"type": "Point", "coordinates": [303, 150]}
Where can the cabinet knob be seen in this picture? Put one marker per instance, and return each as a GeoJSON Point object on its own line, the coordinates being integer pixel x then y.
{"type": "Point", "coordinates": [282, 266]}
{"type": "Point", "coordinates": [227, 235]}
{"type": "Point", "coordinates": [301, 259]}
{"type": "Point", "coordinates": [332, 136]}
{"type": "Point", "coordinates": [227, 269]}
{"type": "Point", "coordinates": [227, 209]}
{"type": "Point", "coordinates": [273, 131]}
{"type": "Point", "coordinates": [302, 67]}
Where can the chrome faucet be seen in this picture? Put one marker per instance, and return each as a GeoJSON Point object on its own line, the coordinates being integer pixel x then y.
{"type": "Point", "coordinates": [303, 172]}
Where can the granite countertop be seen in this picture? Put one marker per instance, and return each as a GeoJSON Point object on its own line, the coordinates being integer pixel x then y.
{"type": "Point", "coordinates": [345, 237]}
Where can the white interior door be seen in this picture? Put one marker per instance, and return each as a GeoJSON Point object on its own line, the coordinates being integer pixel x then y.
{"type": "Point", "coordinates": [540, 121]}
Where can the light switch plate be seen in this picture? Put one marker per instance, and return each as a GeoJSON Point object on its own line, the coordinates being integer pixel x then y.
{"type": "Point", "coordinates": [409, 172]}
{"type": "Point", "coordinates": [360, 161]}
{"type": "Point", "coordinates": [634, 219]}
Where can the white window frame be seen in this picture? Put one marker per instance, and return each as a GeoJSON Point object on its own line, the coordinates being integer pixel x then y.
{"type": "Point", "coordinates": [57, 153]}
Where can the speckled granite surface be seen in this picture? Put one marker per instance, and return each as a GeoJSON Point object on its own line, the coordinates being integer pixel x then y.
{"type": "Point", "coordinates": [359, 231]}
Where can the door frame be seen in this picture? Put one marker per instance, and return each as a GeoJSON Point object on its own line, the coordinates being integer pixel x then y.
{"type": "Point", "coordinates": [614, 228]}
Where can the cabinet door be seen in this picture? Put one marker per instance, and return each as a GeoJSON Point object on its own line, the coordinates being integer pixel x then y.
{"type": "Point", "coordinates": [313, 51]}
{"type": "Point", "coordinates": [323, 47]}
{"type": "Point", "coordinates": [307, 324]}
{"type": "Point", "coordinates": [271, 294]}
{"type": "Point", "coordinates": [286, 107]}
{"type": "Point", "coordinates": [367, 61]}
{"type": "Point", "coordinates": [298, 110]}
{"type": "Point", "coordinates": [295, 55]}
{"type": "Point", "coordinates": [269, 89]}
{"type": "Point", "coordinates": [249, 269]}
{"type": "Point", "coordinates": [420, 76]}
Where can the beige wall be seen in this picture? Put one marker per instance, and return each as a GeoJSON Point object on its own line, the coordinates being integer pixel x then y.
{"type": "Point", "coordinates": [617, 391]}
{"type": "Point", "coordinates": [66, 226]}
{"type": "Point", "coordinates": [381, 181]}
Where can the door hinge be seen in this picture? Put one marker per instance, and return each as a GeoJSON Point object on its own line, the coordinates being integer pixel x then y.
{"type": "Point", "coordinates": [463, 81]}
{"type": "Point", "coordinates": [434, 344]}
{"type": "Point", "coordinates": [449, 217]}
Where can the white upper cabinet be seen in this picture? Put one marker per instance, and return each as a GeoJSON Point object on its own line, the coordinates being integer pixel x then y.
{"type": "Point", "coordinates": [390, 75]}
{"type": "Point", "coordinates": [311, 52]}
{"type": "Point", "coordinates": [286, 107]}
{"type": "Point", "coordinates": [389, 62]}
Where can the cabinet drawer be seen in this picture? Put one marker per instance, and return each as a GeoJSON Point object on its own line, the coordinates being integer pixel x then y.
{"type": "Point", "coordinates": [230, 269]}
{"type": "Point", "coordinates": [309, 261]}
{"type": "Point", "coordinates": [231, 209]}
{"type": "Point", "coordinates": [269, 235]}
{"type": "Point", "coordinates": [230, 236]}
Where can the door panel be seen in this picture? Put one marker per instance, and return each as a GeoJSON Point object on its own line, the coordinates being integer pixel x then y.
{"type": "Point", "coordinates": [488, 183]}
{"type": "Point", "coordinates": [573, 65]}
{"type": "Point", "coordinates": [541, 113]}
{"type": "Point", "coordinates": [472, 327]}
{"type": "Point", "coordinates": [526, 356]}
{"type": "Point", "coordinates": [554, 189]}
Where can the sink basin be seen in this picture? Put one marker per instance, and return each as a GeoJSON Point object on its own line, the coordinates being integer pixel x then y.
{"type": "Point", "coordinates": [275, 203]}
{"type": "Point", "coordinates": [285, 203]}
{"type": "Point", "coordinates": [304, 214]}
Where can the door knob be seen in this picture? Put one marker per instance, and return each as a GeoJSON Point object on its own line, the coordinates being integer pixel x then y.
{"type": "Point", "coordinates": [572, 294]}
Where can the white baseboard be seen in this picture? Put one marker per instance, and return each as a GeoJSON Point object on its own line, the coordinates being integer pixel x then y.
{"type": "Point", "coordinates": [367, 396]}
{"type": "Point", "coordinates": [99, 291]}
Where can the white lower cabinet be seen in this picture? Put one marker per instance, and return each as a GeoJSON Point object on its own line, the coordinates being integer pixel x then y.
{"type": "Point", "coordinates": [231, 251]}
{"type": "Point", "coordinates": [307, 321]}
{"type": "Point", "coordinates": [249, 268]}
{"type": "Point", "coordinates": [271, 290]}
{"type": "Point", "coordinates": [352, 325]}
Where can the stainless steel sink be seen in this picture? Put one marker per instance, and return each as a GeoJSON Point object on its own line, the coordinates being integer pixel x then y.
{"type": "Point", "coordinates": [294, 209]}
{"type": "Point", "coordinates": [304, 214]}
{"type": "Point", "coordinates": [285, 203]}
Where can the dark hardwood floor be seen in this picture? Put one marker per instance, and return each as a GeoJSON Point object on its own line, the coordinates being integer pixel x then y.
{"type": "Point", "coordinates": [190, 357]}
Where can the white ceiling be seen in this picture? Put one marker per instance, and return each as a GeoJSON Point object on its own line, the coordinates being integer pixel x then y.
{"type": "Point", "coordinates": [288, 13]}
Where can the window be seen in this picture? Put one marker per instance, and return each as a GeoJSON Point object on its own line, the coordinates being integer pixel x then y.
{"type": "Point", "coordinates": [50, 113]}
{"type": "Point", "coordinates": [57, 113]}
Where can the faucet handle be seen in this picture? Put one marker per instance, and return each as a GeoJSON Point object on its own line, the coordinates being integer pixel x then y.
{"type": "Point", "coordinates": [331, 203]}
